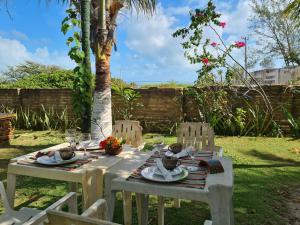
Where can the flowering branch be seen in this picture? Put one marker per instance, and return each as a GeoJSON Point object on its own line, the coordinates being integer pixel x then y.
{"type": "Point", "coordinates": [193, 36]}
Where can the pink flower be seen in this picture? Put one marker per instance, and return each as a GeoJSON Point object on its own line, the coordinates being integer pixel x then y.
{"type": "Point", "coordinates": [240, 44]}
{"type": "Point", "coordinates": [222, 24]}
{"type": "Point", "coordinates": [214, 44]}
{"type": "Point", "coordinates": [205, 60]}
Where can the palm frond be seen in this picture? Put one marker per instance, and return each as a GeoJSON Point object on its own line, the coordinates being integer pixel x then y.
{"type": "Point", "coordinates": [146, 6]}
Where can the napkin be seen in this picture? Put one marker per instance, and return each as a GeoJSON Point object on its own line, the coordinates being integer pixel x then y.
{"type": "Point", "coordinates": [57, 158]}
{"type": "Point", "coordinates": [166, 174]}
{"type": "Point", "coordinates": [184, 152]}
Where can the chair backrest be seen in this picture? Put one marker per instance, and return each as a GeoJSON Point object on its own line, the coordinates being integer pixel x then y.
{"type": "Point", "coordinates": [63, 218]}
{"type": "Point", "coordinates": [199, 135]}
{"type": "Point", "coordinates": [129, 130]}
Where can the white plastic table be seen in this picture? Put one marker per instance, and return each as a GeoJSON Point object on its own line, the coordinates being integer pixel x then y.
{"type": "Point", "coordinates": [90, 175]}
{"type": "Point", "coordinates": [217, 193]}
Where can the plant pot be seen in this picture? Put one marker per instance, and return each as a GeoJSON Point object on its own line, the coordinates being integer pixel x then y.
{"type": "Point", "coordinates": [113, 151]}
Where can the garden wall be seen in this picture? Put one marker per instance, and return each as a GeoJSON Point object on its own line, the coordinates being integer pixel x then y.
{"type": "Point", "coordinates": [162, 107]}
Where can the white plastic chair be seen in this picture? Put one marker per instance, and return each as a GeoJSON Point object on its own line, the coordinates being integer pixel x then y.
{"type": "Point", "coordinates": [31, 216]}
{"type": "Point", "coordinates": [96, 214]}
{"type": "Point", "coordinates": [129, 130]}
{"type": "Point", "coordinates": [200, 135]}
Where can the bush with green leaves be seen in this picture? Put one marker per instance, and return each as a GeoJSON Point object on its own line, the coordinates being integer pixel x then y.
{"type": "Point", "coordinates": [56, 79]}
{"type": "Point", "coordinates": [129, 101]}
{"type": "Point", "coordinates": [45, 119]}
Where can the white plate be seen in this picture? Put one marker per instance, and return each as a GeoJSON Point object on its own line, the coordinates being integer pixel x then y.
{"type": "Point", "coordinates": [174, 172]}
{"type": "Point", "coordinates": [46, 160]}
{"type": "Point", "coordinates": [148, 173]}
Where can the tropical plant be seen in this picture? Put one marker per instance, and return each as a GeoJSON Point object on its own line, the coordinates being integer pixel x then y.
{"type": "Point", "coordinates": [102, 31]}
{"type": "Point", "coordinates": [294, 123]}
{"type": "Point", "coordinates": [215, 55]}
{"type": "Point", "coordinates": [129, 101]}
{"type": "Point", "coordinates": [45, 119]}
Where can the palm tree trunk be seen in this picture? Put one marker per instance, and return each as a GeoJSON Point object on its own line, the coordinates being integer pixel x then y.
{"type": "Point", "coordinates": [102, 114]}
{"type": "Point", "coordinates": [85, 29]}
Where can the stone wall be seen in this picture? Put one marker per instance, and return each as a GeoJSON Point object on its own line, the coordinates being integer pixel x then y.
{"type": "Point", "coordinates": [162, 108]}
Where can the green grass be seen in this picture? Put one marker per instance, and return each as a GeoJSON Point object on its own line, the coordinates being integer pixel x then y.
{"type": "Point", "coordinates": [266, 170]}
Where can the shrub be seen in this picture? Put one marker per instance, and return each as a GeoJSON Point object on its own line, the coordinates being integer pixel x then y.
{"type": "Point", "coordinates": [45, 119]}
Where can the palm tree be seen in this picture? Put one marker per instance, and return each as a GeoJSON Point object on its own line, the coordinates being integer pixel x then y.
{"type": "Point", "coordinates": [103, 25]}
{"type": "Point", "coordinates": [102, 31]}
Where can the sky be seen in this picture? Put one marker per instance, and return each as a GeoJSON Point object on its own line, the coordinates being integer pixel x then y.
{"type": "Point", "coordinates": [147, 52]}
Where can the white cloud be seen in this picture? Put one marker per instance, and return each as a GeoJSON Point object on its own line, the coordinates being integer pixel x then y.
{"type": "Point", "coordinates": [237, 19]}
{"type": "Point", "coordinates": [150, 38]}
{"type": "Point", "coordinates": [41, 53]}
{"type": "Point", "coordinates": [13, 52]}
{"type": "Point", "coordinates": [184, 10]}
{"type": "Point", "coordinates": [19, 35]}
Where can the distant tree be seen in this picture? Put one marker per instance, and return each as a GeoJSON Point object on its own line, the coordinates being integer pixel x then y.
{"type": "Point", "coordinates": [267, 63]}
{"type": "Point", "coordinates": [278, 35]}
{"type": "Point", "coordinates": [13, 73]}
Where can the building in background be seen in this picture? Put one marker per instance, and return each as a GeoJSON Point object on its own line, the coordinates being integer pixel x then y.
{"type": "Point", "coordinates": [275, 76]}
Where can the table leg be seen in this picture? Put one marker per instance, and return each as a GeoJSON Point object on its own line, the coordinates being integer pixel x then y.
{"type": "Point", "coordinates": [221, 206]}
{"type": "Point", "coordinates": [73, 187]}
{"type": "Point", "coordinates": [161, 210]}
{"type": "Point", "coordinates": [11, 188]}
{"type": "Point", "coordinates": [92, 186]}
{"type": "Point", "coordinates": [127, 207]}
{"type": "Point", "coordinates": [142, 208]}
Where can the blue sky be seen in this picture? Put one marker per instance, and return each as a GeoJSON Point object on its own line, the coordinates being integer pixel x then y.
{"type": "Point", "coordinates": [146, 51]}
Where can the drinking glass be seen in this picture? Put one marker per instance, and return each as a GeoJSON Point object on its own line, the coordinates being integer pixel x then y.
{"type": "Point", "coordinates": [71, 137]}
{"type": "Point", "coordinates": [192, 152]}
{"type": "Point", "coordinates": [158, 142]}
{"type": "Point", "coordinates": [85, 140]}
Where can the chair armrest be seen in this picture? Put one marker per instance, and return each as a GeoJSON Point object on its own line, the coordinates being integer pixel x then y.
{"type": "Point", "coordinates": [219, 150]}
{"type": "Point", "coordinates": [69, 199]}
{"type": "Point", "coordinates": [98, 210]}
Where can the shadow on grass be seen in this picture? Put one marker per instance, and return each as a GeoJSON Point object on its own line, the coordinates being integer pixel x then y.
{"type": "Point", "coordinates": [29, 201]}
{"type": "Point", "coordinates": [25, 147]}
{"type": "Point", "coordinates": [248, 166]}
{"type": "Point", "coordinates": [270, 157]}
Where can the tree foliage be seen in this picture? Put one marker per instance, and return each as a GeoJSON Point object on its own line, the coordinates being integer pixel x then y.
{"type": "Point", "coordinates": [56, 79]}
{"type": "Point", "coordinates": [278, 35]}
{"type": "Point", "coordinates": [13, 73]}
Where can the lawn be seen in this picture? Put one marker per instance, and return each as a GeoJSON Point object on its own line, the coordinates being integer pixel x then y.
{"type": "Point", "coordinates": [266, 175]}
